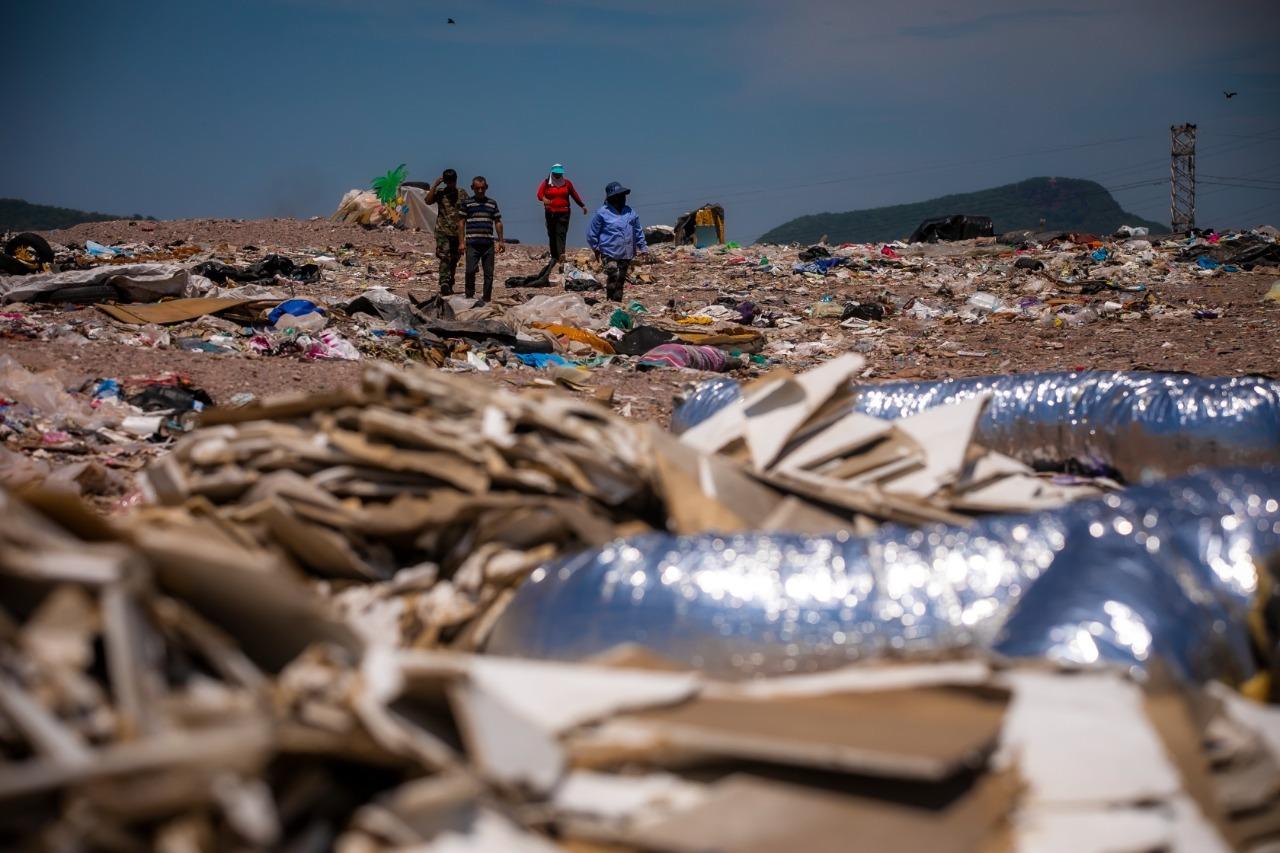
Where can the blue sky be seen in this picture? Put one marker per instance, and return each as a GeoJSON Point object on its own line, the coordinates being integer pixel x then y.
{"type": "Point", "coordinates": [276, 107]}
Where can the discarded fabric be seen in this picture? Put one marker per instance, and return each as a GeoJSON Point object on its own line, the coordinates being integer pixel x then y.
{"type": "Point", "coordinates": [686, 356]}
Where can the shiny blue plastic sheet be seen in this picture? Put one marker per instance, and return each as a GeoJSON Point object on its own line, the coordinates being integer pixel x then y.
{"type": "Point", "coordinates": [1136, 425]}
{"type": "Point", "coordinates": [1168, 571]}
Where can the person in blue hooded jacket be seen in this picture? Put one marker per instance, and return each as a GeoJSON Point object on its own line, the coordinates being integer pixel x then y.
{"type": "Point", "coordinates": [615, 236]}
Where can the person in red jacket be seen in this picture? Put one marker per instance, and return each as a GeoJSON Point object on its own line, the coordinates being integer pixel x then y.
{"type": "Point", "coordinates": [554, 193]}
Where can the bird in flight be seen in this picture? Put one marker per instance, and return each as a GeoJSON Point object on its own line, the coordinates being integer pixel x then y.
{"type": "Point", "coordinates": [1230, 95]}
{"type": "Point", "coordinates": [452, 21]}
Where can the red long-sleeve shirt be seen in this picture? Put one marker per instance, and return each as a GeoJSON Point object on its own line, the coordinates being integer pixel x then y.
{"type": "Point", "coordinates": [559, 196]}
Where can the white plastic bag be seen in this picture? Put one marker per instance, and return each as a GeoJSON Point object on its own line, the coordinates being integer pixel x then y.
{"type": "Point", "coordinates": [568, 309]}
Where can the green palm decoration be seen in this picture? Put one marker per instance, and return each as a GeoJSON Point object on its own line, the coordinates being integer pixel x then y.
{"type": "Point", "coordinates": [388, 186]}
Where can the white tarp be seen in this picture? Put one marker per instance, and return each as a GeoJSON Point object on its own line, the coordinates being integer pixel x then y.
{"type": "Point", "coordinates": [132, 283]}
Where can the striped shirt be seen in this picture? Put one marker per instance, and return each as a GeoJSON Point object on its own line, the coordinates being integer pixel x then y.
{"type": "Point", "coordinates": [480, 216]}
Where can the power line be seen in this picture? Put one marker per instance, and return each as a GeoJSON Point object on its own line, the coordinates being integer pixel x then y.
{"type": "Point", "coordinates": [792, 185]}
{"type": "Point", "coordinates": [1212, 150]}
{"type": "Point", "coordinates": [1251, 141]}
{"type": "Point", "coordinates": [1239, 215]}
{"type": "Point", "coordinates": [1249, 180]}
{"type": "Point", "coordinates": [945, 165]}
{"type": "Point", "coordinates": [1241, 186]}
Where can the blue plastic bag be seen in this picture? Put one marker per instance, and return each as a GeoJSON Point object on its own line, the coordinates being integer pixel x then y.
{"type": "Point", "coordinates": [821, 266]}
{"type": "Point", "coordinates": [295, 307]}
{"type": "Point", "coordinates": [544, 359]}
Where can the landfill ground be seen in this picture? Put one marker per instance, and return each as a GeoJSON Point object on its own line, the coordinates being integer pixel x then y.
{"type": "Point", "coordinates": [353, 594]}
{"type": "Point", "coordinates": [1174, 315]}
{"type": "Point", "coordinates": [1241, 339]}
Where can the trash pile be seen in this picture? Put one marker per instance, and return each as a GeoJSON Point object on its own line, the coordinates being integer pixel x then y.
{"type": "Point", "coordinates": [426, 466]}
{"type": "Point", "coordinates": [798, 434]}
{"type": "Point", "coordinates": [93, 440]}
{"type": "Point", "coordinates": [424, 498]}
{"type": "Point", "coordinates": [180, 689]}
{"type": "Point", "coordinates": [909, 309]}
{"type": "Point", "coordinates": [1133, 425]}
{"type": "Point", "coordinates": [427, 612]}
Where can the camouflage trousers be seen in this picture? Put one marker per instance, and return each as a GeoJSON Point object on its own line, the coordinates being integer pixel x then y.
{"type": "Point", "coordinates": [615, 271]}
{"type": "Point", "coordinates": [448, 255]}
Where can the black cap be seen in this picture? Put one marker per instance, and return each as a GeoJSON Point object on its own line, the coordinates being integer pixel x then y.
{"type": "Point", "coordinates": [614, 189]}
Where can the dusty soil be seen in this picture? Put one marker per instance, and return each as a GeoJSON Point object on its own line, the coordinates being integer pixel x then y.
{"type": "Point", "coordinates": [221, 376]}
{"type": "Point", "coordinates": [292, 233]}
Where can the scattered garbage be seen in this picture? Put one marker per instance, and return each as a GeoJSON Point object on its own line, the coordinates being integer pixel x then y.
{"type": "Point", "coordinates": [268, 269]}
{"type": "Point", "coordinates": [290, 314]}
{"type": "Point", "coordinates": [26, 253]}
{"type": "Point", "coordinates": [702, 227]}
{"type": "Point", "coordinates": [319, 733]}
{"type": "Point", "coordinates": [401, 527]}
{"type": "Point", "coordinates": [328, 345]}
{"type": "Point", "coordinates": [580, 280]}
{"type": "Point", "coordinates": [566, 308]}
{"type": "Point", "coordinates": [952, 228]}
{"type": "Point", "coordinates": [170, 392]}
{"type": "Point", "coordinates": [689, 357]}
{"type": "Point", "coordinates": [127, 283]}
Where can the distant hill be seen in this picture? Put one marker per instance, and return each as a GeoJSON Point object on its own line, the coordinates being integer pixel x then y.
{"type": "Point", "coordinates": [19, 215]}
{"type": "Point", "coordinates": [1064, 204]}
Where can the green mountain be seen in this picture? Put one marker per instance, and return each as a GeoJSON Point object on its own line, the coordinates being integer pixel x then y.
{"type": "Point", "coordinates": [19, 215]}
{"type": "Point", "coordinates": [1065, 204]}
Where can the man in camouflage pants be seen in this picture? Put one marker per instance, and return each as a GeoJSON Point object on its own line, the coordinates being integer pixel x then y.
{"type": "Point", "coordinates": [447, 200]}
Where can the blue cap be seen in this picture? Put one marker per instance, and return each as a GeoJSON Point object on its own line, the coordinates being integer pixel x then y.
{"type": "Point", "coordinates": [615, 188]}
{"type": "Point", "coordinates": [557, 169]}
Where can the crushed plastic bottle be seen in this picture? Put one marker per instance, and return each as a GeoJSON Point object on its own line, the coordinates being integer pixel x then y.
{"type": "Point", "coordinates": [1083, 317]}
{"type": "Point", "coordinates": [826, 307]}
{"type": "Point", "coordinates": [985, 303]}
{"type": "Point", "coordinates": [921, 311]}
{"type": "Point", "coordinates": [308, 323]}
{"type": "Point", "coordinates": [106, 389]}
{"type": "Point", "coordinates": [330, 345]}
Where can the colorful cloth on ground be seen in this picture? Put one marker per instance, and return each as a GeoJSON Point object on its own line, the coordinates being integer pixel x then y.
{"type": "Point", "coordinates": [576, 334]}
{"type": "Point", "coordinates": [686, 355]}
{"type": "Point", "coordinates": [545, 359]}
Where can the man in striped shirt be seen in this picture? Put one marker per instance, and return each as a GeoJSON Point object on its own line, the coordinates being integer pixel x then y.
{"type": "Point", "coordinates": [482, 227]}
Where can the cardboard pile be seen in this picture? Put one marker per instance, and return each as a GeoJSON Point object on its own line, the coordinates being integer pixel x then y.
{"type": "Point", "coordinates": [182, 692]}
{"type": "Point", "coordinates": [423, 498]}
{"type": "Point", "coordinates": [799, 434]}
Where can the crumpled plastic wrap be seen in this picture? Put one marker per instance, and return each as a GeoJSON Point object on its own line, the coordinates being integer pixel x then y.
{"type": "Point", "coordinates": [147, 282]}
{"type": "Point", "coordinates": [1139, 426]}
{"type": "Point", "coordinates": [1168, 571]}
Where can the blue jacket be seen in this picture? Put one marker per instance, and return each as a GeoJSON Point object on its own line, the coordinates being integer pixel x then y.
{"type": "Point", "coordinates": [616, 235]}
